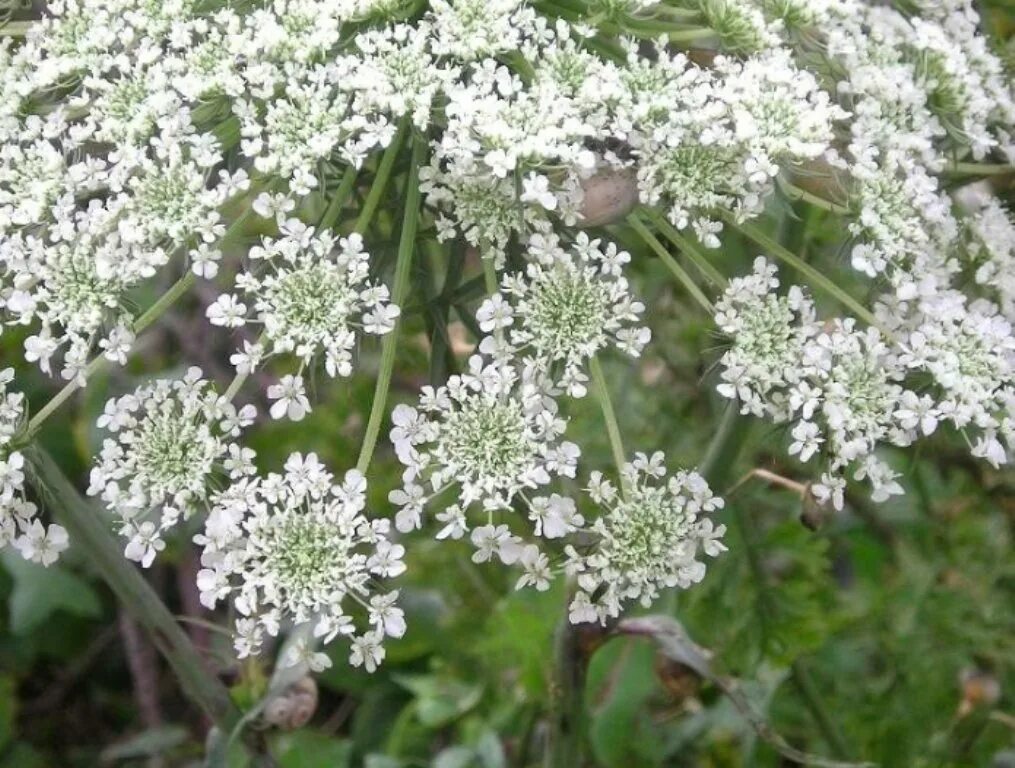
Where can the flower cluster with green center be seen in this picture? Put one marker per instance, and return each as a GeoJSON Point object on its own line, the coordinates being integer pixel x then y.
{"type": "Point", "coordinates": [172, 439]}
{"type": "Point", "coordinates": [492, 434]}
{"type": "Point", "coordinates": [298, 549]}
{"type": "Point", "coordinates": [649, 537]}
{"type": "Point", "coordinates": [565, 308]}
{"type": "Point", "coordinates": [837, 385]}
{"type": "Point", "coordinates": [767, 332]}
{"type": "Point", "coordinates": [310, 292]}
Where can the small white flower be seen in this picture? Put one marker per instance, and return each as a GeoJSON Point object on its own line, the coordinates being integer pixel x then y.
{"type": "Point", "coordinates": [536, 189]}
{"type": "Point", "coordinates": [367, 652]}
{"type": "Point", "coordinates": [490, 540]}
{"type": "Point", "coordinates": [290, 399]}
{"type": "Point", "coordinates": [41, 544]}
{"type": "Point", "coordinates": [227, 311]}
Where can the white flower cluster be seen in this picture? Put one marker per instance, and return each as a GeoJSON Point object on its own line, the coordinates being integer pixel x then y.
{"type": "Point", "coordinates": [132, 132]}
{"type": "Point", "coordinates": [565, 308]}
{"type": "Point", "coordinates": [310, 292]}
{"type": "Point", "coordinates": [844, 389]}
{"type": "Point", "coordinates": [701, 138]}
{"type": "Point", "coordinates": [488, 435]}
{"type": "Point", "coordinates": [129, 170]}
{"type": "Point", "coordinates": [648, 537]}
{"type": "Point", "coordinates": [171, 439]}
{"type": "Point", "coordinates": [835, 383]}
{"type": "Point", "coordinates": [490, 442]}
{"type": "Point", "coordinates": [710, 139]}
{"type": "Point", "coordinates": [297, 548]}
{"type": "Point", "coordinates": [968, 349]}
{"type": "Point", "coordinates": [19, 524]}
{"type": "Point", "coordinates": [922, 89]}
{"type": "Point", "coordinates": [477, 440]}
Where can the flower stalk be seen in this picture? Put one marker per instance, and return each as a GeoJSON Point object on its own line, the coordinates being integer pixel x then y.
{"type": "Point", "coordinates": [403, 266]}
{"type": "Point", "coordinates": [88, 530]}
{"type": "Point", "coordinates": [678, 271]}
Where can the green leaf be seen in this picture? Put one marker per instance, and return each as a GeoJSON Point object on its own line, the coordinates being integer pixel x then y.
{"type": "Point", "coordinates": [309, 749]}
{"type": "Point", "coordinates": [40, 592]}
{"type": "Point", "coordinates": [154, 741]}
{"type": "Point", "coordinates": [622, 681]}
{"type": "Point", "coordinates": [440, 700]}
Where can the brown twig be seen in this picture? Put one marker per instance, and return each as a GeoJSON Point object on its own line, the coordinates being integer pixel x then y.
{"type": "Point", "coordinates": [144, 671]}
{"type": "Point", "coordinates": [676, 645]}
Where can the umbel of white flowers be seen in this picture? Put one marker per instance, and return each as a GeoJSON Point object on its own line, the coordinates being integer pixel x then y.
{"type": "Point", "coordinates": [162, 120]}
{"type": "Point", "coordinates": [298, 548]}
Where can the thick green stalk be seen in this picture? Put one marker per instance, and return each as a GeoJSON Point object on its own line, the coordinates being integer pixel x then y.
{"type": "Point", "coordinates": [678, 271]}
{"type": "Point", "coordinates": [403, 265]}
{"type": "Point", "coordinates": [701, 261]}
{"type": "Point", "coordinates": [89, 531]}
{"type": "Point", "coordinates": [813, 276]}
{"type": "Point", "coordinates": [338, 199]}
{"type": "Point", "coordinates": [565, 740]}
{"type": "Point", "coordinates": [366, 215]}
{"type": "Point", "coordinates": [979, 169]}
{"type": "Point", "coordinates": [609, 415]}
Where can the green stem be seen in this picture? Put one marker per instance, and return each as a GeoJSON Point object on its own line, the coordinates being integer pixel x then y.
{"type": "Point", "coordinates": [565, 739]}
{"type": "Point", "coordinates": [609, 415]}
{"type": "Point", "coordinates": [169, 298]}
{"type": "Point", "coordinates": [813, 276]}
{"type": "Point", "coordinates": [338, 199]}
{"type": "Point", "coordinates": [686, 35]}
{"type": "Point", "coordinates": [490, 276]}
{"type": "Point", "coordinates": [793, 192]}
{"type": "Point", "coordinates": [403, 265]}
{"type": "Point", "coordinates": [678, 271]}
{"type": "Point", "coordinates": [15, 28]}
{"type": "Point", "coordinates": [701, 261]}
{"type": "Point", "coordinates": [979, 169]}
{"type": "Point", "coordinates": [88, 529]}
{"type": "Point", "coordinates": [722, 451]}
{"type": "Point", "coordinates": [366, 215]}
{"type": "Point", "coordinates": [809, 693]}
